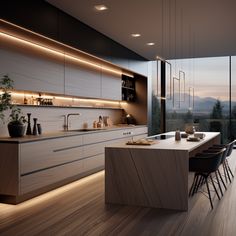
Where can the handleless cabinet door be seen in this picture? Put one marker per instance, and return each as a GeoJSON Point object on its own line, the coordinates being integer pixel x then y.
{"type": "Point", "coordinates": [111, 85]}
{"type": "Point", "coordinates": [82, 79]}
{"type": "Point", "coordinates": [36, 156]}
{"type": "Point", "coordinates": [32, 68]}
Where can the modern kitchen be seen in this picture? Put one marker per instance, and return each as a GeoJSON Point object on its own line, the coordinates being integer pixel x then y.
{"type": "Point", "coordinates": [99, 137]}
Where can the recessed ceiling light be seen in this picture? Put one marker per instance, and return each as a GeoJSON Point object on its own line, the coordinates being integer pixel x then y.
{"type": "Point", "coordinates": [100, 7]}
{"type": "Point", "coordinates": [150, 44]}
{"type": "Point", "coordinates": [135, 35]}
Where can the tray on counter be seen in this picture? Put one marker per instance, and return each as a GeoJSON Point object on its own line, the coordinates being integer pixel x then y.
{"type": "Point", "coordinates": [141, 142]}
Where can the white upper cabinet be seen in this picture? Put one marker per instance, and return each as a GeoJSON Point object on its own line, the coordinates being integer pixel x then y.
{"type": "Point", "coordinates": [32, 69]}
{"type": "Point", "coordinates": [111, 85]}
{"type": "Point", "coordinates": [82, 79]}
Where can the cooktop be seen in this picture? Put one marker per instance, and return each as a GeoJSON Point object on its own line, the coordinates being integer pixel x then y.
{"type": "Point", "coordinates": [161, 136]}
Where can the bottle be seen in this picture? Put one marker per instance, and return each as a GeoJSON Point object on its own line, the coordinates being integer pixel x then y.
{"type": "Point", "coordinates": [100, 122]}
{"type": "Point", "coordinates": [177, 135]}
{"type": "Point", "coordinates": [95, 124]}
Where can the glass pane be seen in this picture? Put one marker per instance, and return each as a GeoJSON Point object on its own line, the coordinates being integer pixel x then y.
{"type": "Point", "coordinates": [156, 106]}
{"type": "Point", "coordinates": [207, 92]}
{"type": "Point", "coordinates": [233, 98]}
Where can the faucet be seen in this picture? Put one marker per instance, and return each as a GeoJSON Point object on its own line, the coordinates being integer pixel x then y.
{"type": "Point", "coordinates": [66, 126]}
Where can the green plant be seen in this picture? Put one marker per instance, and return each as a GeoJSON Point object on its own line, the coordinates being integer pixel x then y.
{"type": "Point", "coordinates": [6, 85]}
{"type": "Point", "coordinates": [16, 116]}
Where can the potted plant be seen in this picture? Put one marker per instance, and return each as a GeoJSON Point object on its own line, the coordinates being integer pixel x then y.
{"type": "Point", "coordinates": [16, 125]}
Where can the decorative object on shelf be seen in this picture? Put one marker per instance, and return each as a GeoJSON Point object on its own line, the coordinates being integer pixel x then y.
{"type": "Point", "coordinates": [35, 130]}
{"type": "Point", "coordinates": [100, 122]}
{"type": "Point", "coordinates": [39, 128]}
{"type": "Point", "coordinates": [28, 131]}
{"type": "Point", "coordinates": [95, 124]}
{"type": "Point", "coordinates": [16, 125]}
{"type": "Point", "coordinates": [128, 88]}
{"type": "Point", "coordinates": [130, 119]}
{"type": "Point", "coordinates": [6, 84]}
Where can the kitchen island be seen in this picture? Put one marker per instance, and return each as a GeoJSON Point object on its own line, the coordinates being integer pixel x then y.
{"type": "Point", "coordinates": [152, 175]}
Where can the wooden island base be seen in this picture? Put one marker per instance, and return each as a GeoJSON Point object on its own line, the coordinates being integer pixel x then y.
{"type": "Point", "coordinates": [152, 176]}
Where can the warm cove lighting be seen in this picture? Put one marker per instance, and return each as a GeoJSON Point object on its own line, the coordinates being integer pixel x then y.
{"type": "Point", "coordinates": [36, 95]}
{"type": "Point", "coordinates": [61, 54]}
{"type": "Point", "coordinates": [53, 50]}
{"type": "Point", "coordinates": [52, 196]}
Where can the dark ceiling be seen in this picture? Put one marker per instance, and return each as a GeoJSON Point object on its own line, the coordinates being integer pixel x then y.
{"type": "Point", "coordinates": [179, 28]}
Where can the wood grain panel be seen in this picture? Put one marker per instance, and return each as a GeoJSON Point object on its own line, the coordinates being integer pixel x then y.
{"type": "Point", "coordinates": [111, 86]}
{"type": "Point", "coordinates": [82, 80]}
{"type": "Point", "coordinates": [152, 184]}
{"type": "Point", "coordinates": [32, 70]}
{"type": "Point", "coordinates": [9, 169]}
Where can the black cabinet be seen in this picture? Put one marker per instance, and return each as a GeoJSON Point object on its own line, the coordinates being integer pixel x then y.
{"type": "Point", "coordinates": [128, 88]}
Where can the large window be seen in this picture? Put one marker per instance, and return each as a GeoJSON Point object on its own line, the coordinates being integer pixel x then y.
{"type": "Point", "coordinates": [233, 98]}
{"type": "Point", "coordinates": [200, 95]}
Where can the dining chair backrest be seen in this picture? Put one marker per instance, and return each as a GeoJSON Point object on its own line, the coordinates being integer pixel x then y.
{"type": "Point", "coordinates": [206, 163]}
{"type": "Point", "coordinates": [231, 147]}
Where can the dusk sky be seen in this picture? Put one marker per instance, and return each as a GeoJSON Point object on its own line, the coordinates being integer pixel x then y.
{"type": "Point", "coordinates": [208, 76]}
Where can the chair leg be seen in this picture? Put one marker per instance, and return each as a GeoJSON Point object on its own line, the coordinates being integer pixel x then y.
{"type": "Point", "coordinates": [217, 178]}
{"type": "Point", "coordinates": [209, 194]}
{"type": "Point", "coordinates": [196, 184]}
{"type": "Point", "coordinates": [222, 179]}
{"type": "Point", "coordinates": [214, 187]}
{"type": "Point", "coordinates": [193, 185]}
{"type": "Point", "coordinates": [227, 163]}
{"type": "Point", "coordinates": [226, 179]}
{"type": "Point", "coordinates": [227, 172]}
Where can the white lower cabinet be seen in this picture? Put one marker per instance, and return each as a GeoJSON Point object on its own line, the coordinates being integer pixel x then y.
{"type": "Point", "coordinates": [40, 179]}
{"type": "Point", "coordinates": [46, 164]}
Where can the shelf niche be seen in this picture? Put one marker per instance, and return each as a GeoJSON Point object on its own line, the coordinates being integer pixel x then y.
{"type": "Point", "coordinates": [128, 88]}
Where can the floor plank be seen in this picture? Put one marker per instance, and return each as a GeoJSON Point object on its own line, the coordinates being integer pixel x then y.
{"type": "Point", "coordinates": [79, 209]}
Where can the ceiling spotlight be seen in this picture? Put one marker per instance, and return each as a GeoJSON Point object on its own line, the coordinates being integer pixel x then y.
{"type": "Point", "coordinates": [100, 7]}
{"type": "Point", "coordinates": [150, 44]}
{"type": "Point", "coordinates": [135, 35]}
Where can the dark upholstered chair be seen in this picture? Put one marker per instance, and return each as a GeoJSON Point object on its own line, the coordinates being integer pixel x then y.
{"type": "Point", "coordinates": [204, 165]}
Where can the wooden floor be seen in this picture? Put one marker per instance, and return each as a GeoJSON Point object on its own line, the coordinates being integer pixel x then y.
{"type": "Point", "coordinates": [79, 209]}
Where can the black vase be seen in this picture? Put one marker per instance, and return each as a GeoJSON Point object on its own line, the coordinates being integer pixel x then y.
{"type": "Point", "coordinates": [16, 130]}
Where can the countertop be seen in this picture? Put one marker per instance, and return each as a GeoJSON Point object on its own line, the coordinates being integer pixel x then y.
{"type": "Point", "coordinates": [62, 134]}
{"type": "Point", "coordinates": [170, 143]}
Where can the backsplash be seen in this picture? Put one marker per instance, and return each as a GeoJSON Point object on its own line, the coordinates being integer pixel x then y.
{"type": "Point", "coordinates": [53, 118]}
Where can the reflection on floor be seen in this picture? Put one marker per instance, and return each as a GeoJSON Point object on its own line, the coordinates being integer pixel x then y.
{"type": "Point", "coordinates": [79, 209]}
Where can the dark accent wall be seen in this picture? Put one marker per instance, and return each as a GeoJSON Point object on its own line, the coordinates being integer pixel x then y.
{"type": "Point", "coordinates": [43, 18]}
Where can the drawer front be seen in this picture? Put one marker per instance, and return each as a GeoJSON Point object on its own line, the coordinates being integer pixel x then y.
{"type": "Point", "coordinates": [141, 130]}
{"type": "Point", "coordinates": [43, 154]}
{"type": "Point", "coordinates": [114, 134]}
{"type": "Point", "coordinates": [44, 178]}
{"type": "Point", "coordinates": [94, 149]}
{"type": "Point", "coordinates": [94, 162]}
